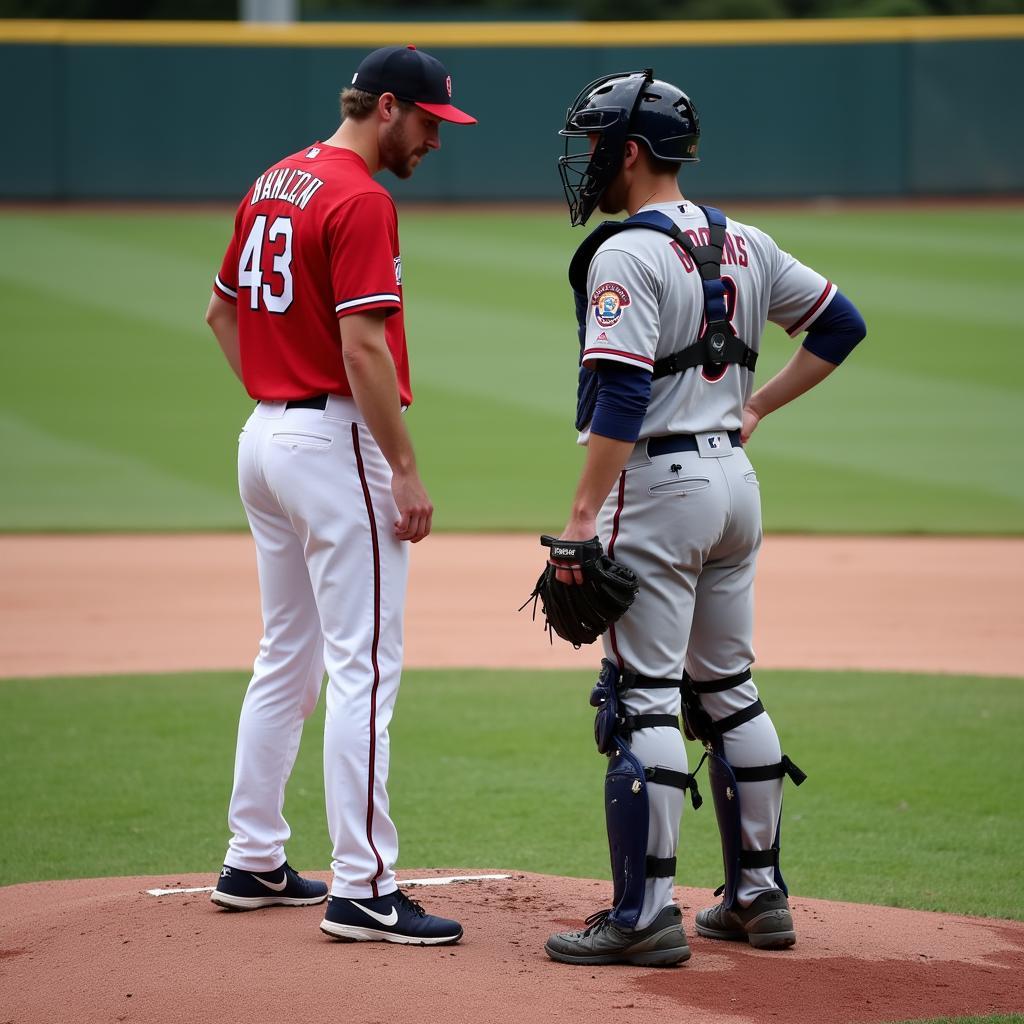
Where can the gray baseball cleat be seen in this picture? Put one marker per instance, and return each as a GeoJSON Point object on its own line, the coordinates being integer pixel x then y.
{"type": "Point", "coordinates": [661, 944]}
{"type": "Point", "coordinates": [765, 924]}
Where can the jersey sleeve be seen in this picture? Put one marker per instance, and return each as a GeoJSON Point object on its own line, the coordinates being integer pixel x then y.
{"type": "Point", "coordinates": [366, 269]}
{"type": "Point", "coordinates": [798, 294]}
{"type": "Point", "coordinates": [622, 317]}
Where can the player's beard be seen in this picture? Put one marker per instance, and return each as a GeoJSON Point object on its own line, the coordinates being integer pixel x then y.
{"type": "Point", "coordinates": [395, 153]}
{"type": "Point", "coordinates": [613, 198]}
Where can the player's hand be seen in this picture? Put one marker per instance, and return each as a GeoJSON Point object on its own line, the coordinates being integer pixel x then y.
{"type": "Point", "coordinates": [415, 511]}
{"type": "Point", "coordinates": [750, 422]}
{"type": "Point", "coordinates": [578, 528]}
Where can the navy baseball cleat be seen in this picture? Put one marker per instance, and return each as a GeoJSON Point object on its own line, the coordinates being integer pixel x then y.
{"type": "Point", "coordinates": [391, 918]}
{"type": "Point", "coordinates": [249, 890]}
{"type": "Point", "coordinates": [661, 944]}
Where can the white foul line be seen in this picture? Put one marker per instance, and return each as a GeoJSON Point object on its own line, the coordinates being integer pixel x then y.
{"type": "Point", "coordinates": [443, 880]}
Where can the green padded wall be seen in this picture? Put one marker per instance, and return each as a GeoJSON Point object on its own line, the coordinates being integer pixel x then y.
{"type": "Point", "coordinates": [201, 122]}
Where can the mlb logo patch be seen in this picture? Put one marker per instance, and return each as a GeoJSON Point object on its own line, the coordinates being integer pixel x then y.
{"type": "Point", "coordinates": [398, 271]}
{"type": "Point", "coordinates": [609, 300]}
{"type": "Point", "coordinates": [313, 153]}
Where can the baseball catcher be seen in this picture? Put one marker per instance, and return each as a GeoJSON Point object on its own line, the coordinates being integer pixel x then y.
{"type": "Point", "coordinates": [671, 303]}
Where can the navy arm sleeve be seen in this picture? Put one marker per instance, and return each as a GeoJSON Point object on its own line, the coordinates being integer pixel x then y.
{"type": "Point", "coordinates": [623, 395]}
{"type": "Point", "coordinates": [836, 332]}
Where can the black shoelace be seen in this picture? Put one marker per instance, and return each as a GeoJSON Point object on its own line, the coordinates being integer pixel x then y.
{"type": "Point", "coordinates": [411, 904]}
{"type": "Point", "coordinates": [596, 922]}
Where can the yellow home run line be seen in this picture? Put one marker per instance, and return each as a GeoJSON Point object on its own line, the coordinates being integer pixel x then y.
{"type": "Point", "coordinates": [442, 880]}
{"type": "Point", "coordinates": [513, 33]}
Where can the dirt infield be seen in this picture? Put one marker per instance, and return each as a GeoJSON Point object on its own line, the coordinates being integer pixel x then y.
{"type": "Point", "coordinates": [78, 605]}
{"type": "Point", "coordinates": [105, 951]}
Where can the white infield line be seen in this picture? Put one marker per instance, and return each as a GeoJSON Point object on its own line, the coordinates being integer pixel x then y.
{"type": "Point", "coordinates": [443, 880]}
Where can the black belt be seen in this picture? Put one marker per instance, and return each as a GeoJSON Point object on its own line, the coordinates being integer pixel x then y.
{"type": "Point", "coordinates": [315, 402]}
{"type": "Point", "coordinates": [682, 443]}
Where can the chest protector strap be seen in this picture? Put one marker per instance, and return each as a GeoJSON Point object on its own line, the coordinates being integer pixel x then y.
{"type": "Point", "coordinates": [717, 345]}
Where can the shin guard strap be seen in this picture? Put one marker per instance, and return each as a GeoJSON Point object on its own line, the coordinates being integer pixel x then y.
{"type": "Point", "coordinates": [717, 685]}
{"type": "Point", "coordinates": [759, 858]}
{"type": "Point", "coordinates": [635, 681]}
{"type": "Point", "coordinates": [762, 773]}
{"type": "Point", "coordinates": [630, 723]}
{"type": "Point", "coordinates": [681, 780]}
{"type": "Point", "coordinates": [730, 722]}
{"type": "Point", "coordinates": [661, 867]}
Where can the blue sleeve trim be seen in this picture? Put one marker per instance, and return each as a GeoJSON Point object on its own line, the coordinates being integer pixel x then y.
{"type": "Point", "coordinates": [837, 331]}
{"type": "Point", "coordinates": [623, 395]}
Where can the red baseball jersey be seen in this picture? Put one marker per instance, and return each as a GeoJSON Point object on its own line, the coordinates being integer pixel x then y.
{"type": "Point", "coordinates": [316, 239]}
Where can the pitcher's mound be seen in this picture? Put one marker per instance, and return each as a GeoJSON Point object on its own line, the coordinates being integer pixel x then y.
{"type": "Point", "coordinates": [101, 950]}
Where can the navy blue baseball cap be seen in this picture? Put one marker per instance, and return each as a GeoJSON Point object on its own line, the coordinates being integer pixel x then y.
{"type": "Point", "coordinates": [411, 75]}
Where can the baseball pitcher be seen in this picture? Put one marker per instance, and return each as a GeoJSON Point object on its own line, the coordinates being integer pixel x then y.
{"type": "Point", "coordinates": [308, 309]}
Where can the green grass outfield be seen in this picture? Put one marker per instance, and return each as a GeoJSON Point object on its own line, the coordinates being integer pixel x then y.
{"type": "Point", "coordinates": [913, 797]}
{"type": "Point", "coordinates": [117, 411]}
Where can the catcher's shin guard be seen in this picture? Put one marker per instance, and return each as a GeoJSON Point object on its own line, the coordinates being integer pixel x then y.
{"type": "Point", "coordinates": [727, 781]}
{"type": "Point", "coordinates": [627, 816]}
{"type": "Point", "coordinates": [627, 805]}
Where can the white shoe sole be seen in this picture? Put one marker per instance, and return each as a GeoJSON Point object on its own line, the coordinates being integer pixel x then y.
{"type": "Point", "coordinates": [223, 899]}
{"type": "Point", "coordinates": [353, 933]}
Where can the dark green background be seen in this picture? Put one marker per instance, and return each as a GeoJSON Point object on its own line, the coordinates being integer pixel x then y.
{"type": "Point", "coordinates": [196, 122]}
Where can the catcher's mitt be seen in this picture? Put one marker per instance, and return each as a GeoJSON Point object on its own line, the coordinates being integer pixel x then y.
{"type": "Point", "coordinates": [581, 611]}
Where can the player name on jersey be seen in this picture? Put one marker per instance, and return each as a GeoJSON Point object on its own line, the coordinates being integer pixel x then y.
{"type": "Point", "coordinates": [734, 249]}
{"type": "Point", "coordinates": [286, 184]}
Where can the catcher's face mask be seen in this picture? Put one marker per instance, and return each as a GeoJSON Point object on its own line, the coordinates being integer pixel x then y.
{"type": "Point", "coordinates": [602, 111]}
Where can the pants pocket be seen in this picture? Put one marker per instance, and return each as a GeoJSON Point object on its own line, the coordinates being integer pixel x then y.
{"type": "Point", "coordinates": [295, 439]}
{"type": "Point", "coordinates": [680, 486]}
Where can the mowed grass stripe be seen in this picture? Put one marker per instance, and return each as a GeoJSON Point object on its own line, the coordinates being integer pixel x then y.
{"type": "Point", "coordinates": [143, 270]}
{"type": "Point", "coordinates": [46, 476]}
{"type": "Point", "coordinates": [911, 798]}
{"type": "Point", "coordinates": [966, 415]}
{"type": "Point", "coordinates": [105, 348]}
{"type": "Point", "coordinates": [935, 238]}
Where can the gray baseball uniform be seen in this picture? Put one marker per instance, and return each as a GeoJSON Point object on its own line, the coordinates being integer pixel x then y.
{"type": "Point", "coordinates": [689, 522]}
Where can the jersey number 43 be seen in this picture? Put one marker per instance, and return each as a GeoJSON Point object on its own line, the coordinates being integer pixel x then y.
{"type": "Point", "coordinates": [276, 243]}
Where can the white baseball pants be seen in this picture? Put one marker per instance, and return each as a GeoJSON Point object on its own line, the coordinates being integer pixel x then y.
{"type": "Point", "coordinates": [317, 493]}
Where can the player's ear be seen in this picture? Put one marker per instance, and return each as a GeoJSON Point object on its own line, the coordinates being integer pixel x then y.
{"type": "Point", "coordinates": [387, 106]}
{"type": "Point", "coordinates": [630, 154]}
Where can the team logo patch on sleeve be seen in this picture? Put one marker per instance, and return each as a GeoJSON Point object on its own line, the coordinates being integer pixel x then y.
{"type": "Point", "coordinates": [609, 300]}
{"type": "Point", "coordinates": [398, 271]}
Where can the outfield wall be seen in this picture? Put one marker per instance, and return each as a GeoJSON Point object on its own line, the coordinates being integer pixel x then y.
{"type": "Point", "coordinates": [144, 110]}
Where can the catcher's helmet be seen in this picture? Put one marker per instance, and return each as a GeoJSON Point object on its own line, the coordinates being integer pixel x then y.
{"type": "Point", "coordinates": [626, 105]}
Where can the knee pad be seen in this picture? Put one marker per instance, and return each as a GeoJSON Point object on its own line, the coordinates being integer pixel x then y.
{"type": "Point", "coordinates": [727, 782]}
{"type": "Point", "coordinates": [605, 697]}
{"type": "Point", "coordinates": [610, 721]}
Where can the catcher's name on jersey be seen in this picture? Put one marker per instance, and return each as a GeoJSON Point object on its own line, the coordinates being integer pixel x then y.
{"type": "Point", "coordinates": [287, 185]}
{"type": "Point", "coordinates": [734, 249]}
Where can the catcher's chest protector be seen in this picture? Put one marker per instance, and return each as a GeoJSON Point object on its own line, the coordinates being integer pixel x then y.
{"type": "Point", "coordinates": [717, 345]}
